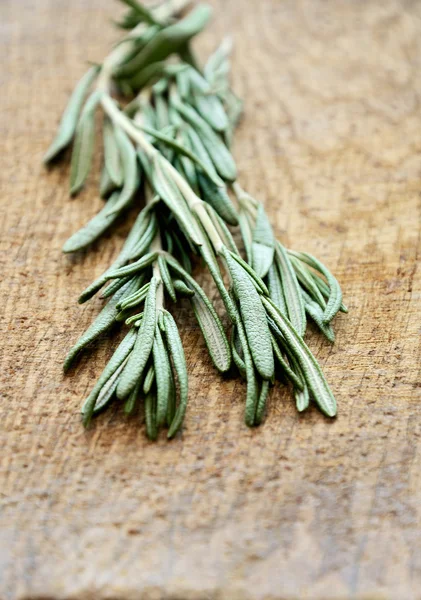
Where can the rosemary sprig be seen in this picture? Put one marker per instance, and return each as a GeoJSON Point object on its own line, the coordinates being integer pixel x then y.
{"type": "Point", "coordinates": [172, 140]}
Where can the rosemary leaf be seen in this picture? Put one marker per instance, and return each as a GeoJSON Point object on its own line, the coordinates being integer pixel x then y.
{"type": "Point", "coordinates": [252, 385]}
{"type": "Point", "coordinates": [302, 393]}
{"type": "Point", "coordinates": [84, 144]}
{"type": "Point", "coordinates": [177, 354]}
{"type": "Point", "coordinates": [141, 223]}
{"type": "Point", "coordinates": [182, 289]}
{"type": "Point", "coordinates": [217, 197]}
{"type": "Point", "coordinates": [263, 243]}
{"type": "Point", "coordinates": [149, 380]}
{"type": "Point", "coordinates": [114, 286]}
{"type": "Point", "coordinates": [183, 84]}
{"type": "Point", "coordinates": [131, 402]}
{"type": "Point", "coordinates": [173, 199]}
{"type": "Point", "coordinates": [257, 281]}
{"type": "Point", "coordinates": [188, 166]}
{"type": "Point", "coordinates": [119, 356]}
{"type": "Point", "coordinates": [166, 278]}
{"type": "Point", "coordinates": [144, 15]}
{"type": "Point", "coordinates": [222, 229]}
{"type": "Point", "coordinates": [312, 372]}
{"type": "Point", "coordinates": [142, 349]}
{"type": "Point", "coordinates": [218, 58]}
{"type": "Point", "coordinates": [95, 227]}
{"type": "Point", "coordinates": [168, 40]}
{"type": "Point", "coordinates": [286, 369]}
{"type": "Point", "coordinates": [236, 349]}
{"type": "Point", "coordinates": [324, 288]}
{"type": "Point", "coordinates": [134, 299]}
{"type": "Point", "coordinates": [150, 416]}
{"type": "Point", "coordinates": [199, 149]}
{"type": "Point", "coordinates": [210, 108]}
{"type": "Point", "coordinates": [179, 148]}
{"type": "Point", "coordinates": [291, 290]}
{"type": "Point", "coordinates": [215, 147]}
{"type": "Point", "coordinates": [246, 234]}
{"type": "Point", "coordinates": [163, 376]}
{"type": "Point", "coordinates": [253, 316]}
{"type": "Point", "coordinates": [138, 249]}
{"type": "Point", "coordinates": [106, 184]}
{"type": "Point", "coordinates": [307, 281]}
{"type": "Point", "coordinates": [108, 390]}
{"type": "Point", "coordinates": [335, 297]}
{"type": "Point", "coordinates": [212, 330]}
{"type": "Point", "coordinates": [208, 320]}
{"type": "Point", "coordinates": [103, 322]}
{"type": "Point", "coordinates": [275, 288]}
{"type": "Point", "coordinates": [70, 116]}
{"type": "Point", "coordinates": [112, 154]}
{"type": "Point", "coordinates": [140, 79]}
{"type": "Point", "coordinates": [316, 313]}
{"type": "Point", "coordinates": [172, 400]}
{"type": "Point", "coordinates": [130, 171]}
{"type": "Point", "coordinates": [133, 268]}
{"type": "Point", "coordinates": [261, 403]}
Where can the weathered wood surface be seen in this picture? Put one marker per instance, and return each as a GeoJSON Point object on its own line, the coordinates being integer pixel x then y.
{"type": "Point", "coordinates": [301, 507]}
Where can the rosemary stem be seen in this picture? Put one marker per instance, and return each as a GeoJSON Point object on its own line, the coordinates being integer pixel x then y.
{"type": "Point", "coordinates": [120, 119]}
{"type": "Point", "coordinates": [156, 246]}
{"type": "Point", "coordinates": [195, 204]}
{"type": "Point", "coordinates": [115, 57]}
{"type": "Point", "coordinates": [209, 227]}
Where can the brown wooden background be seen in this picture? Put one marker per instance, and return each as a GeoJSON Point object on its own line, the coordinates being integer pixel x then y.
{"type": "Point", "coordinates": [301, 507]}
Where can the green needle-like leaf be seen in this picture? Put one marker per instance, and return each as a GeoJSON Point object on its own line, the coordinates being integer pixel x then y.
{"type": "Point", "coordinates": [263, 243]}
{"type": "Point", "coordinates": [179, 148]}
{"type": "Point", "coordinates": [179, 361]}
{"type": "Point", "coordinates": [83, 148]}
{"type": "Point", "coordinates": [335, 298]}
{"type": "Point", "coordinates": [70, 116]}
{"type": "Point", "coordinates": [144, 15]}
{"type": "Point", "coordinates": [261, 403]}
{"type": "Point", "coordinates": [217, 197]}
{"type": "Point", "coordinates": [133, 268]}
{"type": "Point", "coordinates": [168, 40]}
{"type": "Point", "coordinates": [143, 347]}
{"type": "Point", "coordinates": [286, 369]}
{"type": "Point", "coordinates": [112, 153]}
{"type": "Point", "coordinates": [150, 416]}
{"type": "Point", "coordinates": [166, 278]}
{"type": "Point", "coordinates": [291, 290]}
{"type": "Point", "coordinates": [163, 376]}
{"type": "Point", "coordinates": [311, 370]}
{"type": "Point", "coordinates": [104, 321]}
{"type": "Point", "coordinates": [253, 316]}
{"type": "Point", "coordinates": [210, 108]}
{"type": "Point", "coordinates": [275, 288]}
{"type": "Point", "coordinates": [119, 356]}
{"type": "Point", "coordinates": [130, 171]}
{"type": "Point", "coordinates": [215, 147]}
{"type": "Point", "coordinates": [95, 227]}
{"type": "Point", "coordinates": [149, 380]}
{"type": "Point", "coordinates": [208, 320]}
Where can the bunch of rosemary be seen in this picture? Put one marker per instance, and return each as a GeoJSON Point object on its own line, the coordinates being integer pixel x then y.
{"type": "Point", "coordinates": [166, 147]}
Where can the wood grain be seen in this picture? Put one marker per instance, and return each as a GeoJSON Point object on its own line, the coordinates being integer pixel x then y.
{"type": "Point", "coordinates": [301, 507]}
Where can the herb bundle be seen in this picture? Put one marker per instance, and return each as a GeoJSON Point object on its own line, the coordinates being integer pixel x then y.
{"type": "Point", "coordinates": [167, 129]}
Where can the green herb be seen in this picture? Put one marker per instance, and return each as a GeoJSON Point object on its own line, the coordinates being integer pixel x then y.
{"type": "Point", "coordinates": [170, 146]}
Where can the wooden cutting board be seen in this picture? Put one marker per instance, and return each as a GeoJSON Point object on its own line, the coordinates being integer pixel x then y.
{"type": "Point", "coordinates": [301, 507]}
